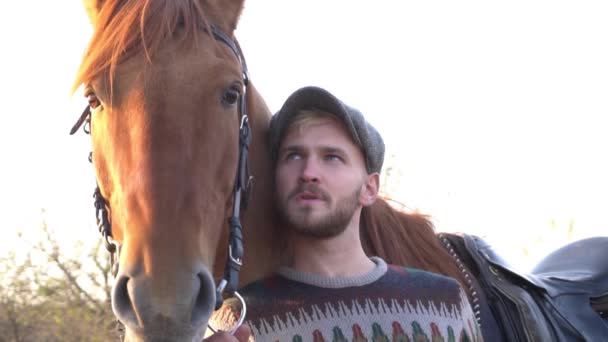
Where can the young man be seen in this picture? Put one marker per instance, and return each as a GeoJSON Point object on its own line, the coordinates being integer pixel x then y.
{"type": "Point", "coordinates": [328, 159]}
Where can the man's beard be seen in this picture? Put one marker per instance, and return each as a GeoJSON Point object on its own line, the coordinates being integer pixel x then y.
{"type": "Point", "coordinates": [333, 223]}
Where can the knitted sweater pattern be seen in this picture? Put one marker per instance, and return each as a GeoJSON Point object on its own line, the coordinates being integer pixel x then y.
{"type": "Point", "coordinates": [390, 303]}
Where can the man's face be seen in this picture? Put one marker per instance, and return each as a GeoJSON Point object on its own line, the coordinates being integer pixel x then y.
{"type": "Point", "coordinates": [320, 178]}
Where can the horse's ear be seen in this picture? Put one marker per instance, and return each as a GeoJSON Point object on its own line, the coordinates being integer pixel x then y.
{"type": "Point", "coordinates": [226, 13]}
{"type": "Point", "coordinates": [93, 7]}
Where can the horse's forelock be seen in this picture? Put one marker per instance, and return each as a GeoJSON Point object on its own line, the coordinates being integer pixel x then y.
{"type": "Point", "coordinates": [127, 27]}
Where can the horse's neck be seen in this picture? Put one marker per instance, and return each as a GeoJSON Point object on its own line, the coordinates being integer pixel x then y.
{"type": "Point", "coordinates": [262, 246]}
{"type": "Point", "coordinates": [407, 239]}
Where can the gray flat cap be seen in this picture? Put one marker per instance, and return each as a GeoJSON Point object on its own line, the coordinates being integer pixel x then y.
{"type": "Point", "coordinates": [363, 134]}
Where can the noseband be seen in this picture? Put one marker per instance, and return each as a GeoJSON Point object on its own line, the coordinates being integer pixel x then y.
{"type": "Point", "coordinates": [242, 184]}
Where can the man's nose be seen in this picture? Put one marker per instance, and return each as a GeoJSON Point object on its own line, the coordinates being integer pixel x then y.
{"type": "Point", "coordinates": [310, 171]}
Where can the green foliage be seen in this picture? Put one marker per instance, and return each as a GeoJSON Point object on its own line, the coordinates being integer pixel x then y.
{"type": "Point", "coordinates": [66, 298]}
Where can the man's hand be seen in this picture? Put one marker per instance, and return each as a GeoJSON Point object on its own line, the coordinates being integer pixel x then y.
{"type": "Point", "coordinates": [241, 334]}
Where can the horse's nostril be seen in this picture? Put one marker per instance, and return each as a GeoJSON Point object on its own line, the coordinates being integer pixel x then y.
{"type": "Point", "coordinates": [122, 303]}
{"type": "Point", "coordinates": [205, 300]}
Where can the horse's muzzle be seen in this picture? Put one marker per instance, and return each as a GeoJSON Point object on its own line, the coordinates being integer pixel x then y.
{"type": "Point", "coordinates": [176, 311]}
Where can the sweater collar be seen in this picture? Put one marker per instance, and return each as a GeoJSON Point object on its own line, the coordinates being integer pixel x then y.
{"type": "Point", "coordinates": [336, 282]}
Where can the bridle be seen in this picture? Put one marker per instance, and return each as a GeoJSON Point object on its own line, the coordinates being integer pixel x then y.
{"type": "Point", "coordinates": [242, 185]}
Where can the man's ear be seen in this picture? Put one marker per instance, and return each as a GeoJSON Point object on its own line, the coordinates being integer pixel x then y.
{"type": "Point", "coordinates": [92, 8]}
{"type": "Point", "coordinates": [370, 189]}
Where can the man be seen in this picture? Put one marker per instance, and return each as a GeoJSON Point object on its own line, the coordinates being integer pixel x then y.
{"type": "Point", "coordinates": [327, 163]}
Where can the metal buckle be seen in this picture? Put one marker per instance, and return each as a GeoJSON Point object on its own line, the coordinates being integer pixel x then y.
{"type": "Point", "coordinates": [237, 261]}
{"type": "Point", "coordinates": [241, 316]}
{"type": "Point", "coordinates": [244, 119]}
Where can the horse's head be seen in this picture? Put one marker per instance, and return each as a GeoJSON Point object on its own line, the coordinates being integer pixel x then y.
{"type": "Point", "coordinates": [165, 81]}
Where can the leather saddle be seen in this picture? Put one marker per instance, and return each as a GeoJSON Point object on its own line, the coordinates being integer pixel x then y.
{"type": "Point", "coordinates": [564, 298]}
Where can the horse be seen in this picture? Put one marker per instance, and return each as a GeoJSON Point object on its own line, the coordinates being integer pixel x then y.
{"type": "Point", "coordinates": [184, 177]}
{"type": "Point", "coordinates": [167, 89]}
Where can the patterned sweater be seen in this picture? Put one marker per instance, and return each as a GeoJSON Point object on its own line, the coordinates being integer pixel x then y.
{"type": "Point", "coordinates": [390, 303]}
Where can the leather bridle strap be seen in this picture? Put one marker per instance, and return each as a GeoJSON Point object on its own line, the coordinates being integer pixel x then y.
{"type": "Point", "coordinates": [229, 283]}
{"type": "Point", "coordinates": [234, 261]}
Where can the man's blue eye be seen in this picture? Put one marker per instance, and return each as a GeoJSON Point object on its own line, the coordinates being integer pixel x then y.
{"type": "Point", "coordinates": [292, 156]}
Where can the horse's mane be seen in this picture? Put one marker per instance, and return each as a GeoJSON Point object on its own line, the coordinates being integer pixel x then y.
{"type": "Point", "coordinates": [124, 28]}
{"type": "Point", "coordinates": [406, 239]}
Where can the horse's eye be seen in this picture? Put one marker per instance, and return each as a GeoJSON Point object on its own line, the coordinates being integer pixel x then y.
{"type": "Point", "coordinates": [231, 95]}
{"type": "Point", "coordinates": [93, 100]}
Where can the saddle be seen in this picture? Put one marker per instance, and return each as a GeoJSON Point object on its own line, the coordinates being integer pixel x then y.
{"type": "Point", "coordinates": [564, 298]}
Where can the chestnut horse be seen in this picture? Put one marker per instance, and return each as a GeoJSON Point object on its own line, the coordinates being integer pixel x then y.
{"type": "Point", "coordinates": [171, 112]}
{"type": "Point", "coordinates": [165, 82]}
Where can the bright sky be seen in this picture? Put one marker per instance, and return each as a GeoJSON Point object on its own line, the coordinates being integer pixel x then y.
{"type": "Point", "coordinates": [494, 110]}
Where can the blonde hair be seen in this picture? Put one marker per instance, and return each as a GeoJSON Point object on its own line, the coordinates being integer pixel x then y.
{"type": "Point", "coordinates": [305, 117]}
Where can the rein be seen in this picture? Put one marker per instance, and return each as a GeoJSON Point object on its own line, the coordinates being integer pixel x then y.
{"type": "Point", "coordinates": [242, 185]}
